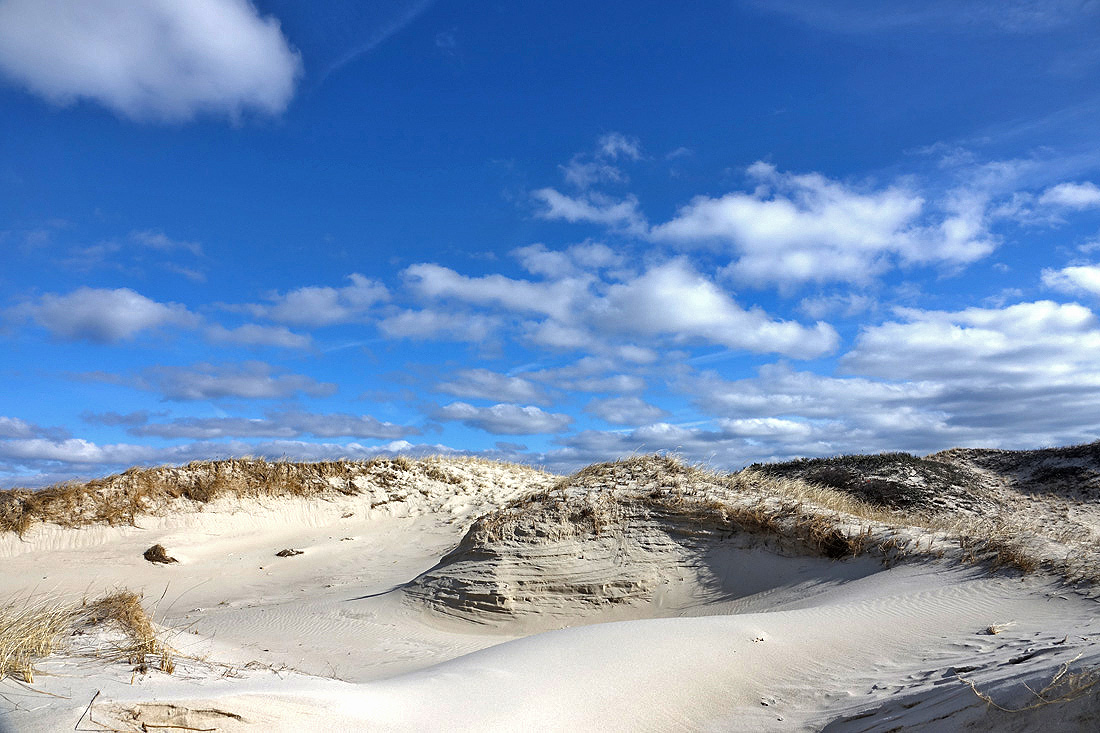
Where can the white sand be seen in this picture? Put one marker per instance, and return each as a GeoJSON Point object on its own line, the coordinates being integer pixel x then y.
{"type": "Point", "coordinates": [793, 643]}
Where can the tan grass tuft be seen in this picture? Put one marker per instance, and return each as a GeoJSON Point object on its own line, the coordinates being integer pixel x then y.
{"type": "Point", "coordinates": [1064, 686]}
{"type": "Point", "coordinates": [28, 632]}
{"type": "Point", "coordinates": [34, 628]}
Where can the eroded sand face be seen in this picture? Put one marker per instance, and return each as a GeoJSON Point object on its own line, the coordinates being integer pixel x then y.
{"type": "Point", "coordinates": [639, 624]}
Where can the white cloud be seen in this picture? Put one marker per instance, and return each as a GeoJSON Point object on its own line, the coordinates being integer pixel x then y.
{"type": "Point", "coordinates": [552, 298]}
{"type": "Point", "coordinates": [729, 443]}
{"type": "Point", "coordinates": [594, 208]}
{"type": "Point", "coordinates": [576, 260]}
{"type": "Point", "coordinates": [584, 170]}
{"type": "Point", "coordinates": [1015, 377]}
{"type": "Point", "coordinates": [439, 324]}
{"type": "Point", "coordinates": [1076, 279]}
{"type": "Point", "coordinates": [1072, 196]}
{"type": "Point", "coordinates": [777, 390]}
{"type": "Point", "coordinates": [103, 316]}
{"type": "Point", "coordinates": [13, 427]}
{"type": "Point", "coordinates": [75, 450]}
{"type": "Point", "coordinates": [150, 59]}
{"type": "Point", "coordinates": [617, 145]}
{"type": "Point", "coordinates": [846, 304]}
{"type": "Point", "coordinates": [670, 301]}
{"type": "Point", "coordinates": [247, 380]}
{"type": "Point", "coordinates": [322, 306]}
{"type": "Point", "coordinates": [583, 173]}
{"type": "Point", "coordinates": [1040, 340]}
{"type": "Point", "coordinates": [765, 427]}
{"type": "Point", "coordinates": [505, 419]}
{"type": "Point", "coordinates": [277, 425]}
{"type": "Point", "coordinates": [625, 410]}
{"type": "Point", "coordinates": [592, 374]}
{"type": "Point", "coordinates": [798, 228]}
{"type": "Point", "coordinates": [160, 241]}
{"type": "Point", "coordinates": [252, 334]}
{"type": "Point", "coordinates": [673, 300]}
{"type": "Point", "coordinates": [488, 385]}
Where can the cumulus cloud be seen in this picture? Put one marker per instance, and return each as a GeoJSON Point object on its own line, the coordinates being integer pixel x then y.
{"type": "Point", "coordinates": [550, 297]}
{"type": "Point", "coordinates": [594, 208]}
{"type": "Point", "coordinates": [729, 443]}
{"type": "Point", "coordinates": [580, 311]}
{"type": "Point", "coordinates": [578, 260]}
{"type": "Point", "coordinates": [150, 59]}
{"type": "Point", "coordinates": [1024, 374]}
{"type": "Point", "coordinates": [430, 323]}
{"type": "Point", "coordinates": [794, 228]}
{"type": "Point", "coordinates": [1072, 196]}
{"type": "Point", "coordinates": [846, 304]}
{"type": "Point", "coordinates": [1076, 279]}
{"type": "Point", "coordinates": [277, 425]}
{"type": "Point", "coordinates": [253, 334]}
{"type": "Point", "coordinates": [1033, 340]}
{"type": "Point", "coordinates": [778, 390]}
{"type": "Point", "coordinates": [103, 316]}
{"type": "Point", "coordinates": [247, 380]}
{"type": "Point", "coordinates": [674, 301]}
{"type": "Point", "coordinates": [505, 419]}
{"type": "Point", "coordinates": [75, 450]}
{"type": "Point", "coordinates": [625, 410]}
{"type": "Point", "coordinates": [13, 427]}
{"type": "Point", "coordinates": [594, 374]}
{"type": "Point", "coordinates": [1014, 390]}
{"type": "Point", "coordinates": [798, 228]}
{"type": "Point", "coordinates": [321, 306]}
{"type": "Point", "coordinates": [488, 385]}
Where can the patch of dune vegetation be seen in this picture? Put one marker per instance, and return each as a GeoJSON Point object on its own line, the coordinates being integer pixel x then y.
{"type": "Point", "coordinates": [32, 629]}
{"type": "Point", "coordinates": [119, 499]}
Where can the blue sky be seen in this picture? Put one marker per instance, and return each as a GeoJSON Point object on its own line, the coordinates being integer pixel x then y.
{"type": "Point", "coordinates": [548, 232]}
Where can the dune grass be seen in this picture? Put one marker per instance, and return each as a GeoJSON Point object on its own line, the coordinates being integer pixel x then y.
{"type": "Point", "coordinates": [121, 498]}
{"type": "Point", "coordinates": [786, 509]}
{"type": "Point", "coordinates": [29, 631]}
{"type": "Point", "coordinates": [33, 628]}
{"type": "Point", "coordinates": [1064, 686]}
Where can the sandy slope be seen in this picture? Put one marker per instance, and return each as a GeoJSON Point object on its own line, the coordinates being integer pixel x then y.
{"type": "Point", "coordinates": [722, 632]}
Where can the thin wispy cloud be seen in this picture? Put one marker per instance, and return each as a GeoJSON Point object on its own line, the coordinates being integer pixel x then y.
{"type": "Point", "coordinates": [408, 12]}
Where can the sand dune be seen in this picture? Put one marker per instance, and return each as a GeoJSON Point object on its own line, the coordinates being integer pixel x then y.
{"type": "Point", "coordinates": [639, 595]}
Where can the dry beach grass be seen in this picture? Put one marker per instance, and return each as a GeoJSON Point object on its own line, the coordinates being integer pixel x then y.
{"type": "Point", "coordinates": [121, 498]}
{"type": "Point", "coordinates": [33, 628]}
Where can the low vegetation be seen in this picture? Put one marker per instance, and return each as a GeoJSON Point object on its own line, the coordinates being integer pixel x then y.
{"type": "Point", "coordinates": [892, 480]}
{"type": "Point", "coordinates": [121, 498]}
{"type": "Point", "coordinates": [1067, 684]}
{"type": "Point", "coordinates": [785, 505]}
{"type": "Point", "coordinates": [34, 628]}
